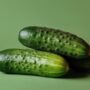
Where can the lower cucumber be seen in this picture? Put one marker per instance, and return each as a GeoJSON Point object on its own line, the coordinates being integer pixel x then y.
{"type": "Point", "coordinates": [33, 62]}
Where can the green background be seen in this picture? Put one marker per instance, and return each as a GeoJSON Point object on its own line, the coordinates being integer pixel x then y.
{"type": "Point", "coordinates": [69, 15]}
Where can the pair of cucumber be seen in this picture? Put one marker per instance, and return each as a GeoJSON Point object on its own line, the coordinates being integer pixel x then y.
{"type": "Point", "coordinates": [40, 61]}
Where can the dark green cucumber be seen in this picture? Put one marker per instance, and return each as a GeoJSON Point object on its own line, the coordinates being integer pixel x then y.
{"type": "Point", "coordinates": [30, 61]}
{"type": "Point", "coordinates": [53, 40]}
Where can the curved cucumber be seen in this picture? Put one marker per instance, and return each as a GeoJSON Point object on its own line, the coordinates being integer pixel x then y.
{"type": "Point", "coordinates": [29, 61]}
{"type": "Point", "coordinates": [53, 40]}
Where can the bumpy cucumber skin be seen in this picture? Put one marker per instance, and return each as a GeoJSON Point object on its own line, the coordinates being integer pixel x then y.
{"type": "Point", "coordinates": [53, 40]}
{"type": "Point", "coordinates": [33, 62]}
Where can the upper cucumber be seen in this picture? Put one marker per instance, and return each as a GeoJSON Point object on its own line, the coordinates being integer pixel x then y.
{"type": "Point", "coordinates": [53, 40]}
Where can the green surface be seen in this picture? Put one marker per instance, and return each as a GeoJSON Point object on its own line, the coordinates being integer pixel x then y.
{"type": "Point", "coordinates": [68, 15]}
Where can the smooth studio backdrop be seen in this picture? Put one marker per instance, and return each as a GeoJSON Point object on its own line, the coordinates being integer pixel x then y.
{"type": "Point", "coordinates": [68, 15]}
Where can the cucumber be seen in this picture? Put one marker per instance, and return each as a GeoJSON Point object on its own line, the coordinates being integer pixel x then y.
{"type": "Point", "coordinates": [33, 62]}
{"type": "Point", "coordinates": [54, 40]}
